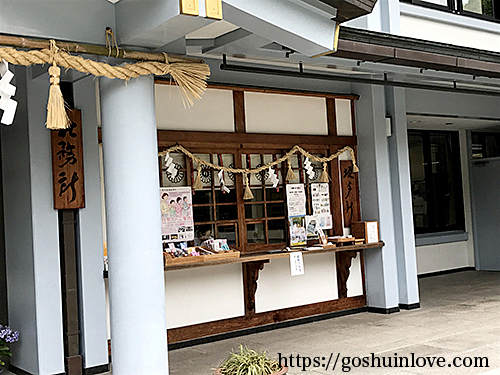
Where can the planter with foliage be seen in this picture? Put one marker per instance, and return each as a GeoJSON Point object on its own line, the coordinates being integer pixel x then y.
{"type": "Point", "coordinates": [7, 336]}
{"type": "Point", "coordinates": [250, 362]}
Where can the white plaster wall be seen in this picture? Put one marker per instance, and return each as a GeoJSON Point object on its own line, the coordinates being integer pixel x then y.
{"type": "Point", "coordinates": [441, 257]}
{"type": "Point", "coordinates": [213, 113]}
{"type": "Point", "coordinates": [443, 32]}
{"type": "Point", "coordinates": [204, 294]}
{"type": "Point", "coordinates": [285, 114]}
{"type": "Point", "coordinates": [343, 115]}
{"type": "Point", "coordinates": [277, 289]}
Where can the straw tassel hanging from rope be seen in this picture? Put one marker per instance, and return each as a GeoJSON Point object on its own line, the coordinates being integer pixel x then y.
{"type": "Point", "coordinates": [248, 192]}
{"type": "Point", "coordinates": [197, 185]}
{"type": "Point", "coordinates": [290, 174]}
{"type": "Point", "coordinates": [355, 168]}
{"type": "Point", "coordinates": [57, 118]}
{"type": "Point", "coordinates": [324, 175]}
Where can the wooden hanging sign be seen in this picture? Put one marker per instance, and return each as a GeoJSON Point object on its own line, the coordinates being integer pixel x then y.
{"type": "Point", "coordinates": [349, 192]}
{"type": "Point", "coordinates": [67, 164]}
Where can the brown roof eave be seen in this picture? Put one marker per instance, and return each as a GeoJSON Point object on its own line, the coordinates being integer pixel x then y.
{"type": "Point", "coordinates": [386, 48]}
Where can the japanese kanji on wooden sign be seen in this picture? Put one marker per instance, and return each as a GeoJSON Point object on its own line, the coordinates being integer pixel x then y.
{"type": "Point", "coordinates": [67, 164]}
{"type": "Point", "coordinates": [349, 192]}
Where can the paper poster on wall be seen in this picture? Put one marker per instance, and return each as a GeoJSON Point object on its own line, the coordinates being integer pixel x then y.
{"type": "Point", "coordinates": [313, 223]}
{"type": "Point", "coordinates": [320, 198]}
{"type": "Point", "coordinates": [298, 235]}
{"type": "Point", "coordinates": [296, 199]}
{"type": "Point", "coordinates": [176, 214]}
{"type": "Point", "coordinates": [324, 221]}
{"type": "Point", "coordinates": [296, 263]}
{"type": "Point", "coordinates": [311, 227]}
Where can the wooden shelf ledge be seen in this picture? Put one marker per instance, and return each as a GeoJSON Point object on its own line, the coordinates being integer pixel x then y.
{"type": "Point", "coordinates": [267, 256]}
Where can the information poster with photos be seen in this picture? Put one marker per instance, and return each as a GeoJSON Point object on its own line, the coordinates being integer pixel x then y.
{"type": "Point", "coordinates": [311, 227]}
{"type": "Point", "coordinates": [296, 204]}
{"type": "Point", "coordinates": [320, 197]}
{"type": "Point", "coordinates": [176, 214]}
{"type": "Point", "coordinates": [298, 235]}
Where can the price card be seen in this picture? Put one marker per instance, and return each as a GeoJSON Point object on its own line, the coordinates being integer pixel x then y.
{"type": "Point", "coordinates": [372, 231]}
{"type": "Point", "coordinates": [296, 263]}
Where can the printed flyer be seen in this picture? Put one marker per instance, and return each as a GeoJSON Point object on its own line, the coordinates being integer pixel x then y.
{"type": "Point", "coordinates": [296, 199]}
{"type": "Point", "coordinates": [298, 235]}
{"type": "Point", "coordinates": [320, 197]}
{"type": "Point", "coordinates": [176, 214]}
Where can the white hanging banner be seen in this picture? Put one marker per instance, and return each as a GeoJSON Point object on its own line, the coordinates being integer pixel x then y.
{"type": "Point", "coordinates": [7, 90]}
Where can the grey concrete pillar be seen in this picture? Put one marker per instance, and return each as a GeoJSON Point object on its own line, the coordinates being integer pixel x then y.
{"type": "Point", "coordinates": [376, 197]}
{"type": "Point", "coordinates": [32, 232]}
{"type": "Point", "coordinates": [136, 276]}
{"type": "Point", "coordinates": [93, 327]}
{"type": "Point", "coordinates": [402, 199]}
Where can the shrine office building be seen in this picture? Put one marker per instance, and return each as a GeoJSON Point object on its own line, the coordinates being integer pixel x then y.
{"type": "Point", "coordinates": [410, 86]}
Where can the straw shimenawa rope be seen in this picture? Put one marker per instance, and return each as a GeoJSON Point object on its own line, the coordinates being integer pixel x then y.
{"type": "Point", "coordinates": [246, 171]}
{"type": "Point", "coordinates": [191, 77]}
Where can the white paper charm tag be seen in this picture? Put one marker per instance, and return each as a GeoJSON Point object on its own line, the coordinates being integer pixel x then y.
{"type": "Point", "coordinates": [171, 168]}
{"type": "Point", "coordinates": [296, 263]}
{"type": "Point", "coordinates": [9, 112]}
{"type": "Point", "coordinates": [168, 160]}
{"type": "Point", "coordinates": [4, 67]}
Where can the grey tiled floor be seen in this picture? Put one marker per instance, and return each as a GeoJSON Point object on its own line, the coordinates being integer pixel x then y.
{"type": "Point", "coordinates": [459, 317]}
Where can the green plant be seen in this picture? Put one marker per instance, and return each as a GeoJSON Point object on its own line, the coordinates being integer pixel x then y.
{"type": "Point", "coordinates": [7, 336]}
{"type": "Point", "coordinates": [249, 362]}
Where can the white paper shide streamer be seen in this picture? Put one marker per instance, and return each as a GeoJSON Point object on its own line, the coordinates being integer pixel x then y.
{"type": "Point", "coordinates": [7, 90]}
{"type": "Point", "coordinates": [170, 165]}
{"type": "Point", "coordinates": [273, 177]}
{"type": "Point", "coordinates": [309, 168]}
{"type": "Point", "coordinates": [223, 186]}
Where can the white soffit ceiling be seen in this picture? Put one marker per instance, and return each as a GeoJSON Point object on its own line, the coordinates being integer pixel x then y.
{"type": "Point", "coordinates": [212, 30]}
{"type": "Point", "coordinates": [449, 123]}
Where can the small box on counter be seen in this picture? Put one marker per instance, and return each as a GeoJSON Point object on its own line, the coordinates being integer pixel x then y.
{"type": "Point", "coordinates": [368, 230]}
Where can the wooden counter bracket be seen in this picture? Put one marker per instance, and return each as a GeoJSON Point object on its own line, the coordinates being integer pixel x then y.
{"type": "Point", "coordinates": [250, 276]}
{"type": "Point", "coordinates": [344, 261]}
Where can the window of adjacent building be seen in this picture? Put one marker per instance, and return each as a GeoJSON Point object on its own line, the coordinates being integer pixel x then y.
{"type": "Point", "coordinates": [486, 9]}
{"type": "Point", "coordinates": [436, 181]}
{"type": "Point", "coordinates": [485, 145]}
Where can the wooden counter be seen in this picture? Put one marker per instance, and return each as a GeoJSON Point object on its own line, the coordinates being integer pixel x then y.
{"type": "Point", "coordinates": [268, 256]}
